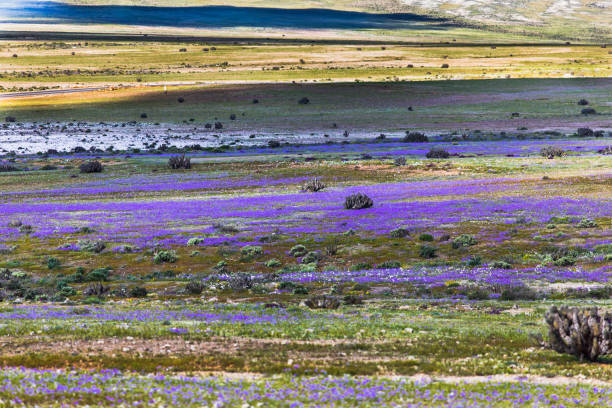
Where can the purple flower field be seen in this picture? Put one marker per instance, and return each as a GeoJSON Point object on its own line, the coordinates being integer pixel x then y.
{"type": "Point", "coordinates": [23, 387]}
{"type": "Point", "coordinates": [170, 222]}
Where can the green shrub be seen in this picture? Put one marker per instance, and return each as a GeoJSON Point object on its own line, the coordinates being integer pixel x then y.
{"type": "Point", "coordinates": [361, 266]}
{"type": "Point", "coordinates": [566, 219]}
{"type": "Point", "coordinates": [389, 265]}
{"type": "Point", "coordinates": [194, 288]}
{"type": "Point", "coordinates": [464, 240]}
{"type": "Point", "coordinates": [89, 245]}
{"type": "Point", "coordinates": [587, 223]}
{"type": "Point", "coordinates": [426, 237]}
{"type": "Point", "coordinates": [474, 261]}
{"type": "Point", "coordinates": [250, 252]}
{"type": "Point", "coordinates": [195, 241]}
{"type": "Point", "coordinates": [427, 251]}
{"type": "Point", "coordinates": [399, 233]}
{"type": "Point", "coordinates": [273, 263]}
{"type": "Point", "coordinates": [53, 263]}
{"type": "Point", "coordinates": [164, 256]}
{"type": "Point", "coordinates": [138, 292]}
{"type": "Point", "coordinates": [501, 265]}
{"type": "Point", "coordinates": [67, 291]}
{"type": "Point", "coordinates": [98, 275]}
{"type": "Point", "coordinates": [477, 294]}
{"type": "Point", "coordinates": [298, 250]}
{"type": "Point", "coordinates": [564, 261]}
{"type": "Point", "coordinates": [300, 290]}
{"type": "Point", "coordinates": [311, 257]}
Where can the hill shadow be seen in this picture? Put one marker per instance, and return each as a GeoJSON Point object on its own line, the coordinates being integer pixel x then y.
{"type": "Point", "coordinates": [210, 16]}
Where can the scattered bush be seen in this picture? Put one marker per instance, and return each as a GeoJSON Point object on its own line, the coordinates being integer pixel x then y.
{"type": "Point", "coordinates": [389, 265]}
{"type": "Point", "coordinates": [138, 292]}
{"type": "Point", "coordinates": [298, 250]}
{"type": "Point", "coordinates": [274, 143]}
{"type": "Point", "coordinates": [26, 229]}
{"type": "Point", "coordinates": [322, 302]}
{"type": "Point", "coordinates": [89, 245]}
{"type": "Point", "coordinates": [304, 101]}
{"type": "Point", "coordinates": [585, 132]}
{"type": "Point", "coordinates": [464, 240]}
{"type": "Point", "coordinates": [179, 162]}
{"type": "Point", "coordinates": [518, 292]}
{"type": "Point", "coordinates": [415, 137]}
{"type": "Point", "coordinates": [474, 261]}
{"type": "Point", "coordinates": [361, 266]}
{"type": "Point", "coordinates": [6, 167]}
{"type": "Point", "coordinates": [477, 294]}
{"type": "Point", "coordinates": [584, 333]}
{"type": "Point", "coordinates": [426, 237]}
{"type": "Point", "coordinates": [164, 256]}
{"type": "Point", "coordinates": [400, 161]}
{"type": "Point", "coordinates": [53, 263]}
{"type": "Point", "coordinates": [195, 241]}
{"type": "Point", "coordinates": [48, 167]}
{"type": "Point", "coordinates": [588, 111]}
{"type": "Point", "coordinates": [587, 223]}
{"type": "Point", "coordinates": [226, 228]}
{"type": "Point", "coordinates": [311, 257]}
{"type": "Point", "coordinates": [358, 201]}
{"type": "Point", "coordinates": [10, 119]}
{"type": "Point", "coordinates": [437, 153]}
{"type": "Point", "coordinates": [352, 300]}
{"type": "Point", "coordinates": [606, 150]}
{"type": "Point", "coordinates": [550, 152]}
{"type": "Point", "coordinates": [95, 289]}
{"type": "Point", "coordinates": [273, 263]}
{"type": "Point", "coordinates": [240, 281]}
{"type": "Point", "coordinates": [93, 166]}
{"type": "Point", "coordinates": [583, 102]}
{"type": "Point", "coordinates": [98, 275]}
{"type": "Point", "coordinates": [194, 288]}
{"type": "Point", "coordinates": [399, 233]}
{"type": "Point", "coordinates": [250, 252]}
{"type": "Point", "coordinates": [501, 265]}
{"type": "Point", "coordinates": [313, 185]}
{"type": "Point", "coordinates": [427, 251]}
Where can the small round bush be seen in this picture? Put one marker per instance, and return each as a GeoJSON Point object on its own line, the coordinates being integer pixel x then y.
{"type": "Point", "coordinates": [427, 251]}
{"type": "Point", "coordinates": [195, 241]}
{"type": "Point", "coordinates": [587, 223]}
{"type": "Point", "coordinates": [89, 245]}
{"type": "Point", "coordinates": [437, 153]}
{"type": "Point", "coordinates": [53, 263]}
{"type": "Point", "coordinates": [464, 240]}
{"type": "Point", "coordinates": [251, 252]}
{"type": "Point", "coordinates": [311, 257]}
{"type": "Point", "coordinates": [273, 263]}
{"type": "Point", "coordinates": [93, 166]}
{"type": "Point", "coordinates": [399, 233]}
{"type": "Point", "coordinates": [426, 237]}
{"type": "Point", "coordinates": [358, 201]}
{"type": "Point", "coordinates": [165, 257]}
{"type": "Point", "coordinates": [298, 250]}
{"type": "Point", "coordinates": [588, 111]}
{"type": "Point", "coordinates": [415, 137]}
{"type": "Point", "coordinates": [138, 292]}
{"type": "Point", "coordinates": [194, 288]}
